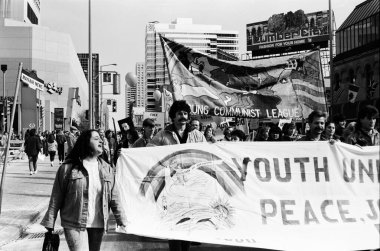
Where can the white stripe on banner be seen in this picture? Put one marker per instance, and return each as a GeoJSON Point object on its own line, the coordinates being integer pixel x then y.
{"type": "Point", "coordinates": [283, 195]}
{"type": "Point", "coordinates": [320, 100]}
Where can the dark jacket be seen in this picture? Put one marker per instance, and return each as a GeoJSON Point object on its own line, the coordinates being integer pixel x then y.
{"type": "Point", "coordinates": [33, 145]}
{"type": "Point", "coordinates": [70, 196]}
{"type": "Point", "coordinates": [169, 137]}
{"type": "Point", "coordinates": [361, 138]}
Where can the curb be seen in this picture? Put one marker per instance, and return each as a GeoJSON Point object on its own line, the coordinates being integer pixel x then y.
{"type": "Point", "coordinates": [21, 232]}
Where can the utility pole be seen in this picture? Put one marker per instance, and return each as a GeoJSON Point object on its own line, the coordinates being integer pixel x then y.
{"type": "Point", "coordinates": [90, 90]}
{"type": "Point", "coordinates": [4, 68]}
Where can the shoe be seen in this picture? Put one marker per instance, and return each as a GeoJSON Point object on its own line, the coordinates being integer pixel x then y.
{"type": "Point", "coordinates": [31, 173]}
{"type": "Point", "coordinates": [35, 172]}
{"type": "Point", "coordinates": [51, 164]}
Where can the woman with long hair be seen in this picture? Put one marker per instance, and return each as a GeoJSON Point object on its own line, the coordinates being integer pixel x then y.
{"type": "Point", "coordinates": [83, 192]}
{"type": "Point", "coordinates": [52, 147]}
{"type": "Point", "coordinates": [209, 134]}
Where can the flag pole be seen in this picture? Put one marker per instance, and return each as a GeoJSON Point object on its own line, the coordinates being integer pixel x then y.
{"type": "Point", "coordinates": [331, 38]}
{"type": "Point", "coordinates": [6, 150]}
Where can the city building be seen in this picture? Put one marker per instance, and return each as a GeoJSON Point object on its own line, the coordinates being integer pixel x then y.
{"type": "Point", "coordinates": [356, 65]}
{"type": "Point", "coordinates": [204, 38]}
{"type": "Point", "coordinates": [83, 59]}
{"type": "Point", "coordinates": [44, 53]}
{"type": "Point", "coordinates": [27, 11]}
{"type": "Point", "coordinates": [140, 86]}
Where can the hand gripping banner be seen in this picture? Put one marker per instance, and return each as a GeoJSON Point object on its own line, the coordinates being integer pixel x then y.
{"type": "Point", "coordinates": [283, 195]}
{"type": "Point", "coordinates": [278, 87]}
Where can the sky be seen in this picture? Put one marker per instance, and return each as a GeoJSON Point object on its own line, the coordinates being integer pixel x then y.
{"type": "Point", "coordinates": [118, 26]}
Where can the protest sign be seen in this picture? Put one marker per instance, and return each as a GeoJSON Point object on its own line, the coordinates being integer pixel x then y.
{"type": "Point", "coordinates": [283, 195]}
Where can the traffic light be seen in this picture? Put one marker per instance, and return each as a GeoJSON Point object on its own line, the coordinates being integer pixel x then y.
{"type": "Point", "coordinates": [116, 84]}
{"type": "Point", "coordinates": [114, 108]}
{"type": "Point", "coordinates": [107, 77]}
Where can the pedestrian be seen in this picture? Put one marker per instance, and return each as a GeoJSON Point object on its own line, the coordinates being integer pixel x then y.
{"type": "Point", "coordinates": [61, 139]}
{"type": "Point", "coordinates": [112, 143]}
{"type": "Point", "coordinates": [71, 138]}
{"type": "Point", "coordinates": [106, 149]}
{"type": "Point", "coordinates": [196, 124]}
{"type": "Point", "coordinates": [329, 132]}
{"type": "Point", "coordinates": [275, 133]}
{"type": "Point", "coordinates": [289, 132]}
{"type": "Point", "coordinates": [317, 121]}
{"type": "Point", "coordinates": [238, 135]}
{"type": "Point", "coordinates": [365, 133]}
{"type": "Point", "coordinates": [83, 192]}
{"type": "Point", "coordinates": [209, 134]}
{"type": "Point", "coordinates": [52, 147]}
{"type": "Point", "coordinates": [179, 132]}
{"type": "Point", "coordinates": [32, 148]}
{"type": "Point", "coordinates": [262, 133]}
{"type": "Point", "coordinates": [227, 134]}
{"type": "Point", "coordinates": [148, 133]}
{"type": "Point", "coordinates": [350, 128]}
{"type": "Point", "coordinates": [340, 125]}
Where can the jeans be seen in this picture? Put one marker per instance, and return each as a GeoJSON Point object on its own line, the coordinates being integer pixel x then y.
{"type": "Point", "coordinates": [61, 152]}
{"type": "Point", "coordinates": [76, 238]}
{"type": "Point", "coordinates": [52, 155]}
{"type": "Point", "coordinates": [33, 163]}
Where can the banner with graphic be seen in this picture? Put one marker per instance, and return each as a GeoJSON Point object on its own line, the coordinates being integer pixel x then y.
{"type": "Point", "coordinates": [279, 87]}
{"type": "Point", "coordinates": [283, 195]}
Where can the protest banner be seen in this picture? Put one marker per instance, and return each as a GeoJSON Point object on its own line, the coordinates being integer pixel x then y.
{"type": "Point", "coordinates": [280, 87]}
{"type": "Point", "coordinates": [283, 195]}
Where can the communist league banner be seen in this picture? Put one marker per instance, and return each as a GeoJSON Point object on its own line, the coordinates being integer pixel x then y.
{"type": "Point", "coordinates": [286, 196]}
{"type": "Point", "coordinates": [278, 87]}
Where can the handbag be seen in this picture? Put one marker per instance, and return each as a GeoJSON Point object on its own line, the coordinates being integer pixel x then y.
{"type": "Point", "coordinates": [41, 156]}
{"type": "Point", "coordinates": [51, 242]}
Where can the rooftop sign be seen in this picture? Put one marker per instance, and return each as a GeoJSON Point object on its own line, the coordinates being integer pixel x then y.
{"type": "Point", "coordinates": [288, 32]}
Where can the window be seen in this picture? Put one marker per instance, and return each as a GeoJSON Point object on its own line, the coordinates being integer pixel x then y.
{"type": "Point", "coordinates": [31, 15]}
{"type": "Point", "coordinates": [349, 37]}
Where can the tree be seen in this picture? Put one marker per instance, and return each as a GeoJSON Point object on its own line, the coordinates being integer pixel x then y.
{"type": "Point", "coordinates": [276, 23]}
{"type": "Point", "coordinates": [300, 19]}
{"type": "Point", "coordinates": [289, 20]}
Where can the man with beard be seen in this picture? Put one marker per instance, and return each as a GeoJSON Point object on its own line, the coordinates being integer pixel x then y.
{"type": "Point", "coordinates": [179, 132]}
{"type": "Point", "coordinates": [317, 120]}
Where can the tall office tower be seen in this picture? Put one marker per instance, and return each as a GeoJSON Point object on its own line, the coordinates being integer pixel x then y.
{"type": "Point", "coordinates": [83, 59]}
{"type": "Point", "coordinates": [204, 38]}
{"type": "Point", "coordinates": [130, 96]}
{"type": "Point", "coordinates": [27, 11]}
{"type": "Point", "coordinates": [140, 87]}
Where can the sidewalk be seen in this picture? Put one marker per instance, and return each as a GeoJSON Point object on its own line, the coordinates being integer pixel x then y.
{"type": "Point", "coordinates": [25, 197]}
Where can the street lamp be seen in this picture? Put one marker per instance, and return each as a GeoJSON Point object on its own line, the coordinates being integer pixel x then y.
{"type": "Point", "coordinates": [4, 68]}
{"type": "Point", "coordinates": [101, 92]}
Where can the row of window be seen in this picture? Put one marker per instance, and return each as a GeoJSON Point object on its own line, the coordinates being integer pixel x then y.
{"type": "Point", "coordinates": [352, 78]}
{"type": "Point", "coordinates": [358, 34]}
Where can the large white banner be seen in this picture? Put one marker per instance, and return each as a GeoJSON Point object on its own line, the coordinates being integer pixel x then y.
{"type": "Point", "coordinates": [283, 195]}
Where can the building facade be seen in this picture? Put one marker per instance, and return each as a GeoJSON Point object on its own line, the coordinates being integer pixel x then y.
{"type": "Point", "coordinates": [51, 56]}
{"type": "Point", "coordinates": [140, 86]}
{"type": "Point", "coordinates": [27, 11]}
{"type": "Point", "coordinates": [204, 38]}
{"type": "Point", "coordinates": [356, 65]}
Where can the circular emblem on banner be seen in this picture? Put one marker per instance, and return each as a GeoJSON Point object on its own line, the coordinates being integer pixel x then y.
{"type": "Point", "coordinates": [32, 125]}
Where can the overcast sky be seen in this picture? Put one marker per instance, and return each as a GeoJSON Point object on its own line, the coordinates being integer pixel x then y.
{"type": "Point", "coordinates": [118, 26]}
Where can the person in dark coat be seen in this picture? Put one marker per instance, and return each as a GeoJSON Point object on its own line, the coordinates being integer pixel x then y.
{"type": "Point", "coordinates": [33, 146]}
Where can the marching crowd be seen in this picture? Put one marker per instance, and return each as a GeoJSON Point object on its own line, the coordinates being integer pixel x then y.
{"type": "Point", "coordinates": [83, 190]}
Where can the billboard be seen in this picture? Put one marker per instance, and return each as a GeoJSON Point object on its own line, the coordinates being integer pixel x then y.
{"type": "Point", "coordinates": [288, 32]}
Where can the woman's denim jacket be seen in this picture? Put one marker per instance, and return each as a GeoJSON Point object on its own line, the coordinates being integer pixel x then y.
{"type": "Point", "coordinates": [70, 197]}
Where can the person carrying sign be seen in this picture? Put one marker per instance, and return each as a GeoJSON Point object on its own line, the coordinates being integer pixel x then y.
{"type": "Point", "coordinates": [179, 132]}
